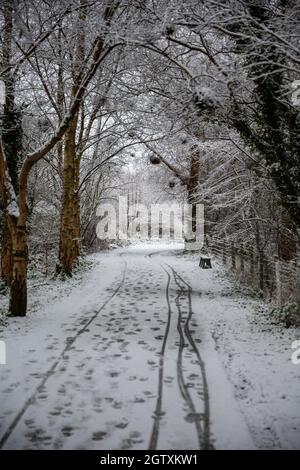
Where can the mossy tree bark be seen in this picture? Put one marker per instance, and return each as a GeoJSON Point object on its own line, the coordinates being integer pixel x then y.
{"type": "Point", "coordinates": [11, 136]}
{"type": "Point", "coordinates": [15, 205]}
{"type": "Point", "coordinates": [69, 244]}
{"type": "Point", "coordinates": [69, 241]}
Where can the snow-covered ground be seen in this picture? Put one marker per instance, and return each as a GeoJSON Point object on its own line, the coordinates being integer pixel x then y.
{"type": "Point", "coordinates": [147, 350]}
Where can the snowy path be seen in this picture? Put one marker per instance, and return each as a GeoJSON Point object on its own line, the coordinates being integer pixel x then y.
{"type": "Point", "coordinates": [125, 361]}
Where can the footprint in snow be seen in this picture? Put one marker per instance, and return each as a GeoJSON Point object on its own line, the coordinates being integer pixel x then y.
{"type": "Point", "coordinates": [67, 431]}
{"type": "Point", "coordinates": [99, 435]}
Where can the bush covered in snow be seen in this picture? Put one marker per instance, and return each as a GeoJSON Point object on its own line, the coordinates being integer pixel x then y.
{"type": "Point", "coordinates": [289, 314]}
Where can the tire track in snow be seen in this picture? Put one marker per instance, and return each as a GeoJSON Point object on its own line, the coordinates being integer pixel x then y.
{"type": "Point", "coordinates": [158, 409]}
{"type": "Point", "coordinates": [203, 435]}
{"type": "Point", "coordinates": [157, 415]}
{"type": "Point", "coordinates": [205, 438]}
{"type": "Point", "coordinates": [69, 342]}
{"type": "Point", "coordinates": [180, 376]}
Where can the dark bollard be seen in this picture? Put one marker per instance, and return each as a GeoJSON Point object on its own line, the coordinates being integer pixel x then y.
{"type": "Point", "coordinates": [205, 263]}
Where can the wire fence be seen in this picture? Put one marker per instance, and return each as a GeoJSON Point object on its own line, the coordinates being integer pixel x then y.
{"type": "Point", "coordinates": [275, 278]}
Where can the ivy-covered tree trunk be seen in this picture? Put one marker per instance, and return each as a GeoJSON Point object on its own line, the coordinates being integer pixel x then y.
{"type": "Point", "coordinates": [16, 220]}
{"type": "Point", "coordinates": [18, 288]}
{"type": "Point", "coordinates": [6, 254]}
{"type": "Point", "coordinates": [12, 144]}
{"type": "Point", "coordinates": [273, 129]}
{"type": "Point", "coordinates": [11, 138]}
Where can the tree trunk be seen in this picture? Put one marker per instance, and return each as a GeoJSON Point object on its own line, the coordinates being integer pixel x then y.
{"type": "Point", "coordinates": [287, 237]}
{"type": "Point", "coordinates": [191, 189]}
{"type": "Point", "coordinates": [11, 136]}
{"type": "Point", "coordinates": [18, 289]}
{"type": "Point", "coordinates": [6, 254]}
{"type": "Point", "coordinates": [17, 227]}
{"type": "Point", "coordinates": [69, 242]}
{"type": "Point", "coordinates": [70, 212]}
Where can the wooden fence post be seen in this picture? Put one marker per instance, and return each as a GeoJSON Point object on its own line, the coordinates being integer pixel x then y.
{"type": "Point", "coordinates": [278, 281]}
{"type": "Point", "coordinates": [242, 257]}
{"type": "Point", "coordinates": [224, 254]}
{"type": "Point", "coordinates": [267, 275]}
{"type": "Point", "coordinates": [233, 260]}
{"type": "Point", "coordinates": [251, 261]}
{"type": "Point", "coordinates": [261, 270]}
{"type": "Point", "coordinates": [207, 242]}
